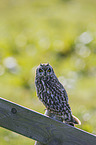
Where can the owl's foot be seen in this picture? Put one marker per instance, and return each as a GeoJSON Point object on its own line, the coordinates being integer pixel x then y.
{"type": "Point", "coordinates": [54, 116]}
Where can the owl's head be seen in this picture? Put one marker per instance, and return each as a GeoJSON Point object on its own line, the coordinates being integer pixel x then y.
{"type": "Point", "coordinates": [44, 70]}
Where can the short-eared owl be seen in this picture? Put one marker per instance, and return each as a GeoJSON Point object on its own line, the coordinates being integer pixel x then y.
{"type": "Point", "coordinates": [52, 93]}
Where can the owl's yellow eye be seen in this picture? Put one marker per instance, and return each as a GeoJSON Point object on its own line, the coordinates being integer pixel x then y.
{"type": "Point", "coordinates": [40, 70]}
{"type": "Point", "coordinates": [49, 70]}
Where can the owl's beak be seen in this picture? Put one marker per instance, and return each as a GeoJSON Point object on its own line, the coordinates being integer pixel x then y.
{"type": "Point", "coordinates": [45, 73]}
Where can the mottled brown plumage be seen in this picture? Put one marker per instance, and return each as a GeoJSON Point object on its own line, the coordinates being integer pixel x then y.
{"type": "Point", "coordinates": [52, 93]}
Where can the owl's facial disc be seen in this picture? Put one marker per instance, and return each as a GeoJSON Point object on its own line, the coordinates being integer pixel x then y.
{"type": "Point", "coordinates": [44, 70]}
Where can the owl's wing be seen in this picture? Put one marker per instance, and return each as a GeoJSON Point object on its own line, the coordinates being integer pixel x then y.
{"type": "Point", "coordinates": [60, 88]}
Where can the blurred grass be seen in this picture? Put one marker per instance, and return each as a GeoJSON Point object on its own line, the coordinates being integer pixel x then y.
{"type": "Point", "coordinates": [61, 32]}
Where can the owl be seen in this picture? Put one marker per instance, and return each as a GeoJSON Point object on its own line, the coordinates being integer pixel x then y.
{"type": "Point", "coordinates": [52, 94]}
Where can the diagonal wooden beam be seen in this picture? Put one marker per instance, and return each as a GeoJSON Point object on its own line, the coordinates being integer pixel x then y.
{"type": "Point", "coordinates": [40, 127]}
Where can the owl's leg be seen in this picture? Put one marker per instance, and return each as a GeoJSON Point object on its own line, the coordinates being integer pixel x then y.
{"type": "Point", "coordinates": [38, 143]}
{"type": "Point", "coordinates": [53, 116]}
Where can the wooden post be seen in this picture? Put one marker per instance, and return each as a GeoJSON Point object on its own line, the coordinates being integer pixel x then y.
{"type": "Point", "coordinates": [48, 113]}
{"type": "Point", "coordinates": [39, 127]}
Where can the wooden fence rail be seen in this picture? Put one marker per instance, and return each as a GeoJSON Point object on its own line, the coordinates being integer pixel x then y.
{"type": "Point", "coordinates": [40, 127]}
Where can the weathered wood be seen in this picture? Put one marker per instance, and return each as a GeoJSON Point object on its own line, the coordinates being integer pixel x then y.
{"type": "Point", "coordinates": [52, 115]}
{"type": "Point", "coordinates": [41, 128]}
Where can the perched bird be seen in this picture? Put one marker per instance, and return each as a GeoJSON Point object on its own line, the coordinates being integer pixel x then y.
{"type": "Point", "coordinates": [52, 94]}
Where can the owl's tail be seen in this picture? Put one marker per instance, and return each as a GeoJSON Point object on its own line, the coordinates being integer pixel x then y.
{"type": "Point", "coordinates": [74, 120]}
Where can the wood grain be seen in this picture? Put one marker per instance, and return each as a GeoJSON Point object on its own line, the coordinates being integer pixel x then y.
{"type": "Point", "coordinates": [40, 127]}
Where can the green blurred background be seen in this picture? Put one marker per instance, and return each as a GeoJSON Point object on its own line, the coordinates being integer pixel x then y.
{"type": "Point", "coordinates": [61, 32]}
